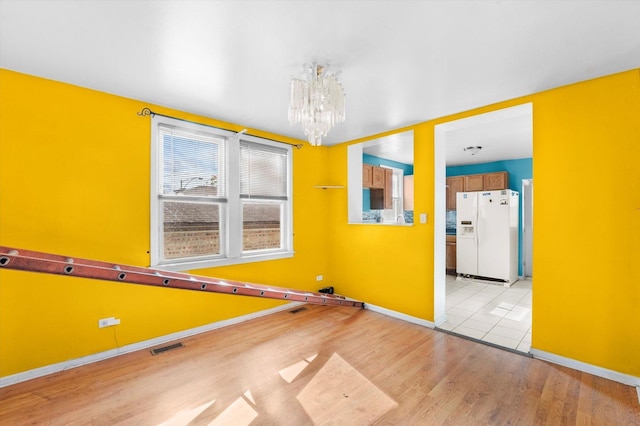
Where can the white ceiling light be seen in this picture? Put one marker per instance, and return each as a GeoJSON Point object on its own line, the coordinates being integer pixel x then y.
{"type": "Point", "coordinates": [317, 101]}
{"type": "Point", "coordinates": [473, 149]}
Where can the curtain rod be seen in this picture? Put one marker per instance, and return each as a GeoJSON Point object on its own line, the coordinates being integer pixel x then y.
{"type": "Point", "coordinates": [146, 111]}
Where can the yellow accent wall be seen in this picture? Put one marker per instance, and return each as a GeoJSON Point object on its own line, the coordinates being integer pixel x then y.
{"type": "Point", "coordinates": [74, 179]}
{"type": "Point", "coordinates": [586, 166]}
{"type": "Point", "coordinates": [387, 266]}
{"type": "Point", "coordinates": [586, 242]}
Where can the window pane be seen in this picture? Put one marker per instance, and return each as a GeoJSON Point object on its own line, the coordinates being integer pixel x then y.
{"type": "Point", "coordinates": [395, 186]}
{"type": "Point", "coordinates": [261, 223]}
{"type": "Point", "coordinates": [191, 229]}
{"type": "Point", "coordinates": [191, 164]}
{"type": "Point", "coordinates": [263, 171]}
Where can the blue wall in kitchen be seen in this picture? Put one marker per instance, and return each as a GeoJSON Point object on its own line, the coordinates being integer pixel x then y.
{"type": "Point", "coordinates": [518, 170]}
{"type": "Point", "coordinates": [377, 161]}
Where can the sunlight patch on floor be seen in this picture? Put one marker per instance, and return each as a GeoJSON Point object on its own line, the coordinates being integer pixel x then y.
{"type": "Point", "coordinates": [291, 372]}
{"type": "Point", "coordinates": [338, 391]}
{"type": "Point", "coordinates": [239, 413]}
{"type": "Point", "coordinates": [249, 396]}
{"type": "Point", "coordinates": [184, 417]}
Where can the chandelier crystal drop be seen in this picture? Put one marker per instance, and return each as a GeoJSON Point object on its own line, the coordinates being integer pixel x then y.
{"type": "Point", "coordinates": [317, 101]}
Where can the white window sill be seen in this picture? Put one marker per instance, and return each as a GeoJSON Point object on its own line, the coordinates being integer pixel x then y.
{"type": "Point", "coordinates": [212, 263]}
{"type": "Point", "coordinates": [381, 223]}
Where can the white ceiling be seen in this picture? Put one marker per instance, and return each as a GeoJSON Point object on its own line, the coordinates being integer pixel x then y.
{"type": "Point", "coordinates": [397, 147]}
{"type": "Point", "coordinates": [402, 62]}
{"type": "Point", "coordinates": [505, 134]}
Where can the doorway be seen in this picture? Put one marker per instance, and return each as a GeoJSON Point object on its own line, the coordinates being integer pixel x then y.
{"type": "Point", "coordinates": [478, 309]}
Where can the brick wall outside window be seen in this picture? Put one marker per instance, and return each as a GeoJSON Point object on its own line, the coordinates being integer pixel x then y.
{"type": "Point", "coordinates": [179, 244]}
{"type": "Point", "coordinates": [185, 243]}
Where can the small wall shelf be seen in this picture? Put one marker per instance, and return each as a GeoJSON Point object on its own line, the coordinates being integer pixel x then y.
{"type": "Point", "coordinates": [329, 186]}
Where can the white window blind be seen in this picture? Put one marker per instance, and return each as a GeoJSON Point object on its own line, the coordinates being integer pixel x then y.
{"type": "Point", "coordinates": [263, 171]}
{"type": "Point", "coordinates": [192, 164]}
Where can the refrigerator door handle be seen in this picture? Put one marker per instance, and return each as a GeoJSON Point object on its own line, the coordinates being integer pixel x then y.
{"type": "Point", "coordinates": [475, 218]}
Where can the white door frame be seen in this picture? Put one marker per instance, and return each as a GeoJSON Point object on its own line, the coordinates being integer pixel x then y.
{"type": "Point", "coordinates": [527, 228]}
{"type": "Point", "coordinates": [439, 224]}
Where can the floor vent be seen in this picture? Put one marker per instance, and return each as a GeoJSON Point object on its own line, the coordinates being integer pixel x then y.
{"type": "Point", "coordinates": [300, 309]}
{"type": "Point", "coordinates": [158, 351]}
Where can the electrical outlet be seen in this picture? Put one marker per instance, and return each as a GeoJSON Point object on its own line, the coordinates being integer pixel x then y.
{"type": "Point", "coordinates": [319, 278]}
{"type": "Point", "coordinates": [423, 218]}
{"type": "Point", "coordinates": [108, 322]}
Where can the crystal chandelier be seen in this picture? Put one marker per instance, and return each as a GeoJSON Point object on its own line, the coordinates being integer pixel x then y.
{"type": "Point", "coordinates": [317, 101]}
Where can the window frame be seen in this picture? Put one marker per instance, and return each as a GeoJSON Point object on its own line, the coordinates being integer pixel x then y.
{"type": "Point", "coordinates": [231, 226]}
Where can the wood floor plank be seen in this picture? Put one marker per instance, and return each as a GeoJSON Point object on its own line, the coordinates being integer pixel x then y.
{"type": "Point", "coordinates": [322, 365]}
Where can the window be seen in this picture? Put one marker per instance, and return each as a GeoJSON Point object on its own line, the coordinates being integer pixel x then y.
{"type": "Point", "coordinates": [397, 209]}
{"type": "Point", "coordinates": [217, 197]}
{"type": "Point", "coordinates": [263, 193]}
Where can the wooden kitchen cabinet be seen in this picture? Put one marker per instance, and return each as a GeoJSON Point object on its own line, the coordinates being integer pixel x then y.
{"type": "Point", "coordinates": [454, 185]}
{"type": "Point", "coordinates": [479, 182]}
{"type": "Point", "coordinates": [373, 176]}
{"type": "Point", "coordinates": [486, 181]}
{"type": "Point", "coordinates": [379, 180]}
{"type": "Point", "coordinates": [367, 175]}
{"type": "Point", "coordinates": [378, 177]}
{"type": "Point", "coordinates": [451, 254]}
{"type": "Point", "coordinates": [473, 183]}
{"type": "Point", "coordinates": [388, 188]}
{"type": "Point", "coordinates": [495, 181]}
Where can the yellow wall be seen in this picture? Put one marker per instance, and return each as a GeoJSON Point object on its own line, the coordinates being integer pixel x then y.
{"type": "Point", "coordinates": [387, 266]}
{"type": "Point", "coordinates": [74, 179]}
{"type": "Point", "coordinates": [586, 167]}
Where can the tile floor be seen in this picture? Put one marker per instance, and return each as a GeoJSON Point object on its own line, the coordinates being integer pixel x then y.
{"type": "Point", "coordinates": [490, 312]}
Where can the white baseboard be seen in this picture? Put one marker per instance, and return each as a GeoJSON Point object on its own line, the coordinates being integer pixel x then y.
{"type": "Point", "coordinates": [545, 356]}
{"type": "Point", "coordinates": [54, 368]}
{"type": "Point", "coordinates": [65, 365]}
{"type": "Point", "coordinates": [399, 315]}
{"type": "Point", "coordinates": [440, 320]}
{"type": "Point", "coordinates": [616, 376]}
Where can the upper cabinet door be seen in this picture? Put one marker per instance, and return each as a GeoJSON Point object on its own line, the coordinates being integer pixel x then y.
{"type": "Point", "coordinates": [378, 177]}
{"type": "Point", "coordinates": [495, 181]}
{"type": "Point", "coordinates": [454, 185]}
{"type": "Point", "coordinates": [367, 175]}
{"type": "Point", "coordinates": [474, 183]}
{"type": "Point", "coordinates": [388, 188]}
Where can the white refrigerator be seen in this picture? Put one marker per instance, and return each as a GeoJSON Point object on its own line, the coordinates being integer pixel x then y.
{"type": "Point", "coordinates": [487, 235]}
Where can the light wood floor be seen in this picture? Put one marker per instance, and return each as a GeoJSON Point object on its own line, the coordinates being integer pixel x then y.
{"type": "Point", "coordinates": [323, 365]}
